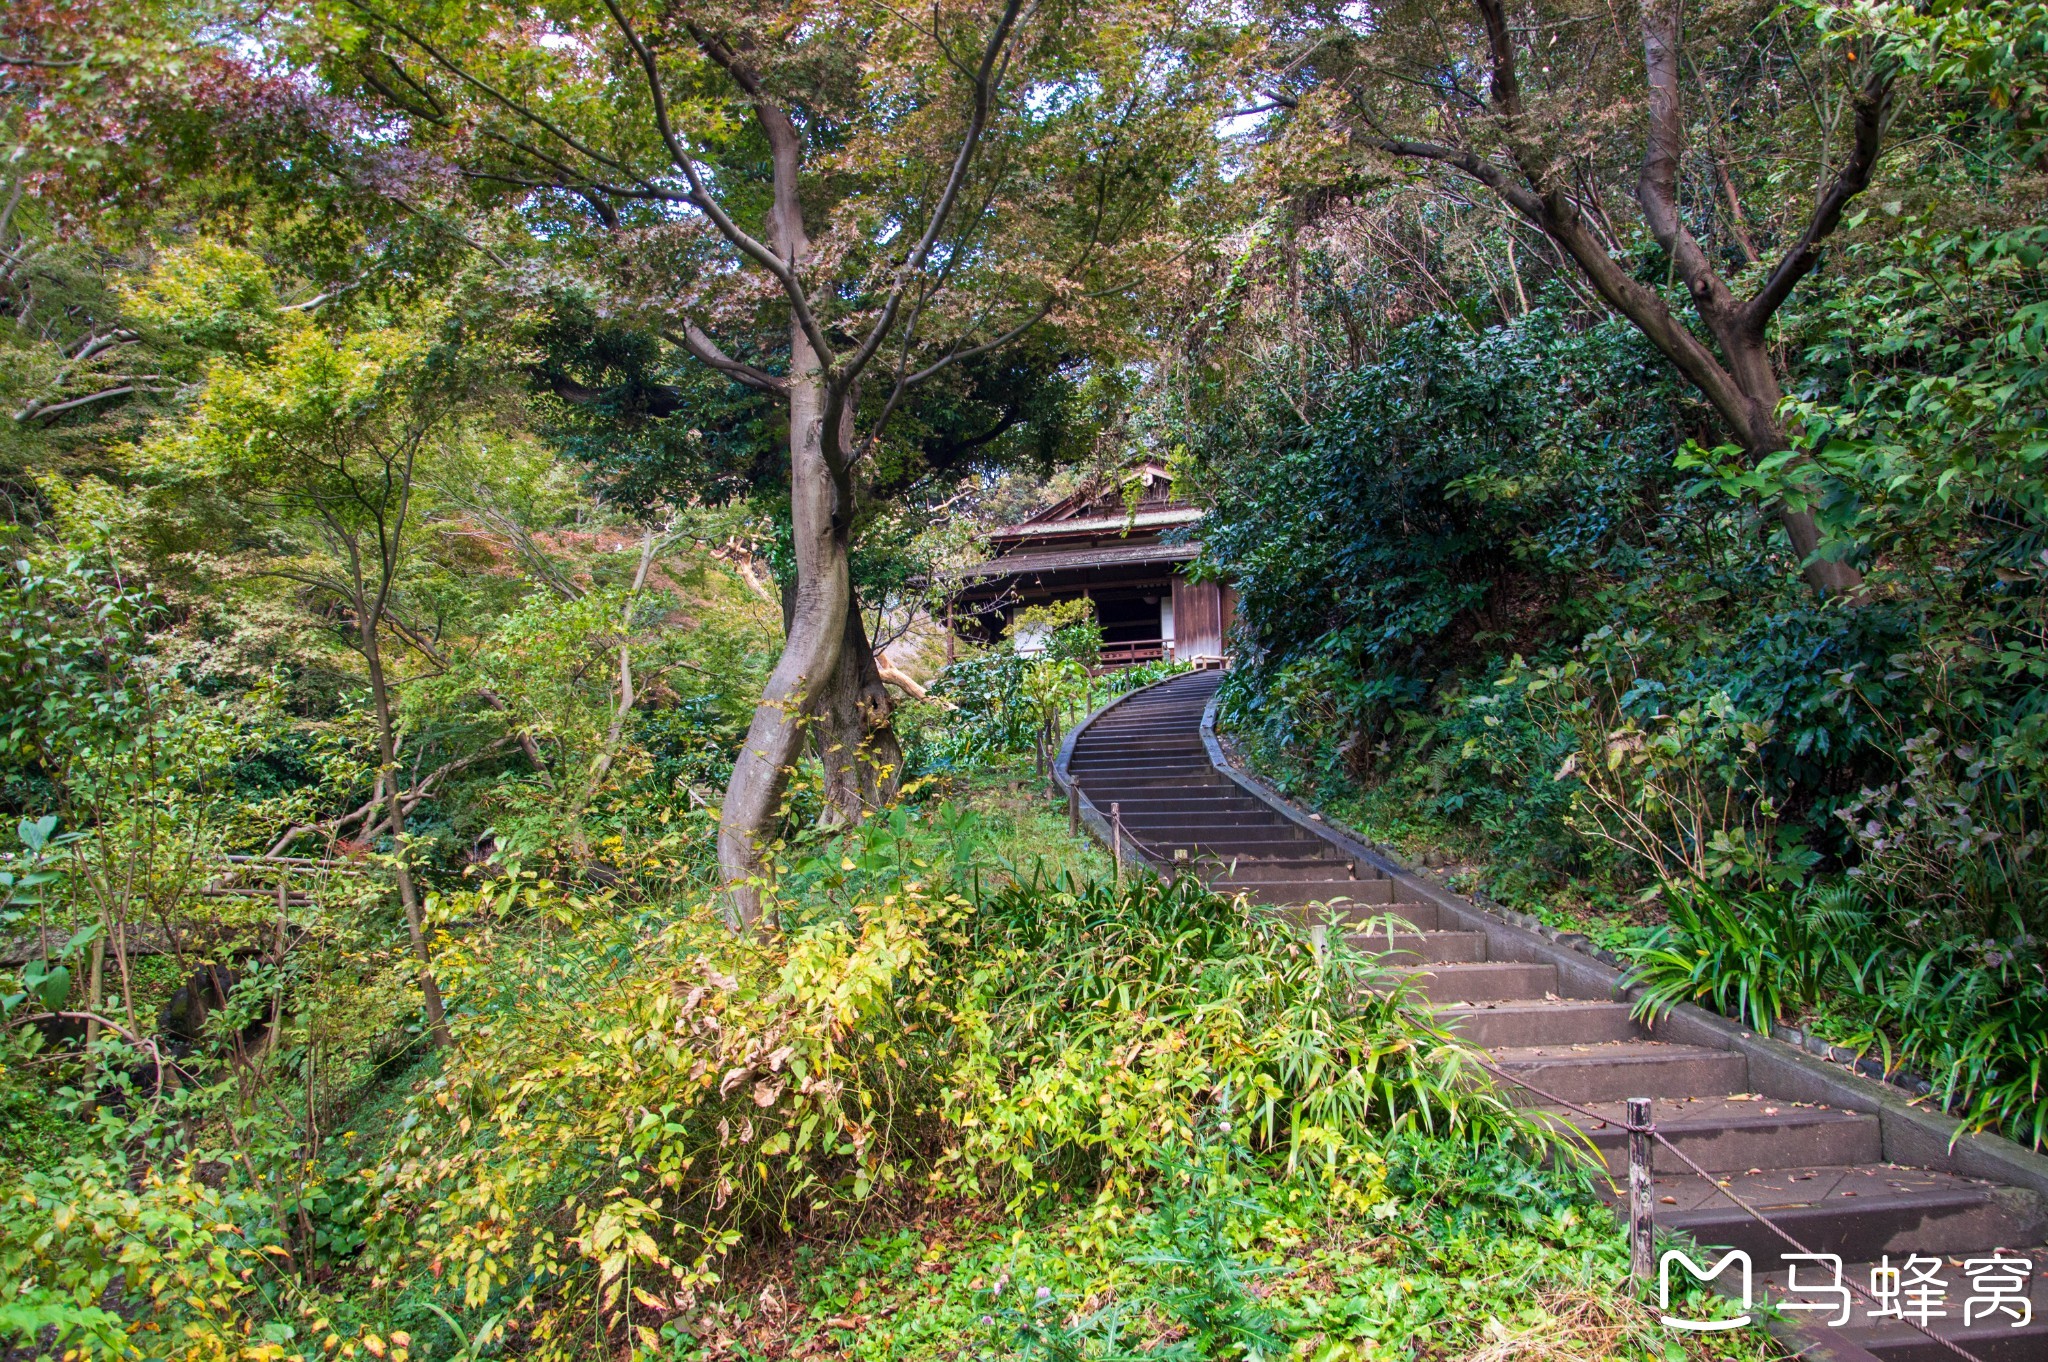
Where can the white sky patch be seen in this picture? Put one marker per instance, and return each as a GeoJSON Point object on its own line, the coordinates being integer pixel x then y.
{"type": "Point", "coordinates": [1232, 127]}
{"type": "Point", "coordinates": [1358, 16]}
{"type": "Point", "coordinates": [1051, 98]}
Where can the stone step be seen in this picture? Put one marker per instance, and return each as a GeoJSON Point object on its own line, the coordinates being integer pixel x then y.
{"type": "Point", "coordinates": [1617, 1069]}
{"type": "Point", "coordinates": [1217, 858]}
{"type": "Point", "coordinates": [1734, 1133]}
{"type": "Point", "coordinates": [1860, 1212]}
{"type": "Point", "coordinates": [1102, 788]}
{"type": "Point", "coordinates": [1220, 795]}
{"type": "Point", "coordinates": [1170, 821]}
{"type": "Point", "coordinates": [1300, 867]}
{"type": "Point", "coordinates": [1197, 820]}
{"type": "Point", "coordinates": [1207, 832]}
{"type": "Point", "coordinates": [1295, 894]}
{"type": "Point", "coordinates": [1175, 727]}
{"type": "Point", "coordinates": [1542, 1021]}
{"type": "Point", "coordinates": [1165, 740]}
{"type": "Point", "coordinates": [1088, 767]}
{"type": "Point", "coordinates": [1243, 859]}
{"type": "Point", "coordinates": [1113, 769]}
{"type": "Point", "coordinates": [1408, 948]}
{"type": "Point", "coordinates": [1177, 719]}
{"type": "Point", "coordinates": [1263, 836]}
{"type": "Point", "coordinates": [1137, 743]}
{"type": "Point", "coordinates": [1180, 812]}
{"type": "Point", "coordinates": [1361, 914]}
{"type": "Point", "coordinates": [1483, 983]}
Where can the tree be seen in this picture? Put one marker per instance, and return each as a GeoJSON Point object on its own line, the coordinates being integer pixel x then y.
{"type": "Point", "coordinates": [867, 199]}
{"type": "Point", "coordinates": [326, 431]}
{"type": "Point", "coordinates": [1539, 147]}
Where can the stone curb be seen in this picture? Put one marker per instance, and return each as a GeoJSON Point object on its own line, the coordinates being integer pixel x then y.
{"type": "Point", "coordinates": [1798, 1068]}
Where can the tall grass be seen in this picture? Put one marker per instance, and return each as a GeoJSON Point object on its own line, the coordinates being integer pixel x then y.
{"type": "Point", "coordinates": [1108, 1020]}
{"type": "Point", "coordinates": [1965, 1010]}
{"type": "Point", "coordinates": [1972, 1015]}
{"type": "Point", "coordinates": [1756, 956]}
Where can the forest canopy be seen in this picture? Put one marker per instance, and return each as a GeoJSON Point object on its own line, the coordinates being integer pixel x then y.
{"type": "Point", "coordinates": [506, 855]}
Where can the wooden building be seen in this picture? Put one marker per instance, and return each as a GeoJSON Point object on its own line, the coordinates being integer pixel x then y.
{"type": "Point", "coordinates": [1126, 547]}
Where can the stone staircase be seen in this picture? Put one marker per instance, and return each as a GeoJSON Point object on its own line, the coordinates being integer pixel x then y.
{"type": "Point", "coordinates": [1818, 1169]}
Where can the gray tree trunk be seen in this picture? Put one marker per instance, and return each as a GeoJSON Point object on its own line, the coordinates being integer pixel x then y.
{"type": "Point", "coordinates": [387, 759]}
{"type": "Point", "coordinates": [862, 758]}
{"type": "Point", "coordinates": [810, 654]}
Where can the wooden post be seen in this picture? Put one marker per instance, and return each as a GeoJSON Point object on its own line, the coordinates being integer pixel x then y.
{"type": "Point", "coordinates": [1116, 826]}
{"type": "Point", "coordinates": [1073, 809]}
{"type": "Point", "coordinates": [1641, 1193]}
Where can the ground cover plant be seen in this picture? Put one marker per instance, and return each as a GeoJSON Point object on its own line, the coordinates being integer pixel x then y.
{"type": "Point", "coordinates": [1134, 1109]}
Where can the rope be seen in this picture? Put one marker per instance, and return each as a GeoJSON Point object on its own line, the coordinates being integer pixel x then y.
{"type": "Point", "coordinates": [1122, 832]}
{"type": "Point", "coordinates": [1747, 1209]}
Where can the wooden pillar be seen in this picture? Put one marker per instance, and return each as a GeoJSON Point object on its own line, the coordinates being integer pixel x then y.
{"type": "Point", "coordinates": [1642, 1197]}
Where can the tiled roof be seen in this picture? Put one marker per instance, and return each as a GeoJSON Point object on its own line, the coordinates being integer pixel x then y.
{"type": "Point", "coordinates": [1060, 560]}
{"type": "Point", "coordinates": [1108, 524]}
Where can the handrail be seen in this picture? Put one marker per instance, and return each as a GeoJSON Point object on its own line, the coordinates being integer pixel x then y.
{"type": "Point", "coordinates": [1641, 1223]}
{"type": "Point", "coordinates": [1640, 1128]}
{"type": "Point", "coordinates": [1373, 856]}
{"type": "Point", "coordinates": [1082, 808]}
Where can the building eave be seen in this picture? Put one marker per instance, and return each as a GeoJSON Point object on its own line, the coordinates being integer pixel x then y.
{"type": "Point", "coordinates": [1098, 525]}
{"type": "Point", "coordinates": [1166, 557]}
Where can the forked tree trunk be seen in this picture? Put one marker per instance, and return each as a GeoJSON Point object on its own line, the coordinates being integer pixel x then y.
{"type": "Point", "coordinates": [1761, 436]}
{"type": "Point", "coordinates": [862, 758]}
{"type": "Point", "coordinates": [1741, 382]}
{"type": "Point", "coordinates": [810, 654]}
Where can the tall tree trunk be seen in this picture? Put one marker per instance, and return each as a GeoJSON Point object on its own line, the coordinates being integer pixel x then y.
{"type": "Point", "coordinates": [1761, 435]}
{"type": "Point", "coordinates": [850, 729]}
{"type": "Point", "coordinates": [863, 761]}
{"type": "Point", "coordinates": [810, 655]}
{"type": "Point", "coordinates": [387, 760]}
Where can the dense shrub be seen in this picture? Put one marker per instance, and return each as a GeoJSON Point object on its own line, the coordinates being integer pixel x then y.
{"type": "Point", "coordinates": [1432, 505]}
{"type": "Point", "coordinates": [1500, 584]}
{"type": "Point", "coordinates": [632, 1094]}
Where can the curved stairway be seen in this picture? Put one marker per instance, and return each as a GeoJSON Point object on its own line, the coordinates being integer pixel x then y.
{"type": "Point", "coordinates": [1817, 1170]}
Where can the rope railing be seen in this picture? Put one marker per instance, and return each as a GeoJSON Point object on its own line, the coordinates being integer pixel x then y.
{"type": "Point", "coordinates": [1641, 1129]}
{"type": "Point", "coordinates": [1641, 1191]}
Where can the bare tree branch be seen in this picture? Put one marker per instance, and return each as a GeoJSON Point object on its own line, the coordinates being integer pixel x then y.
{"type": "Point", "coordinates": [38, 410]}
{"type": "Point", "coordinates": [780, 132]}
{"type": "Point", "coordinates": [489, 91]}
{"type": "Point", "coordinates": [970, 142]}
{"type": "Point", "coordinates": [700, 345]}
{"type": "Point", "coordinates": [1657, 180]}
{"type": "Point", "coordinates": [1873, 101]}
